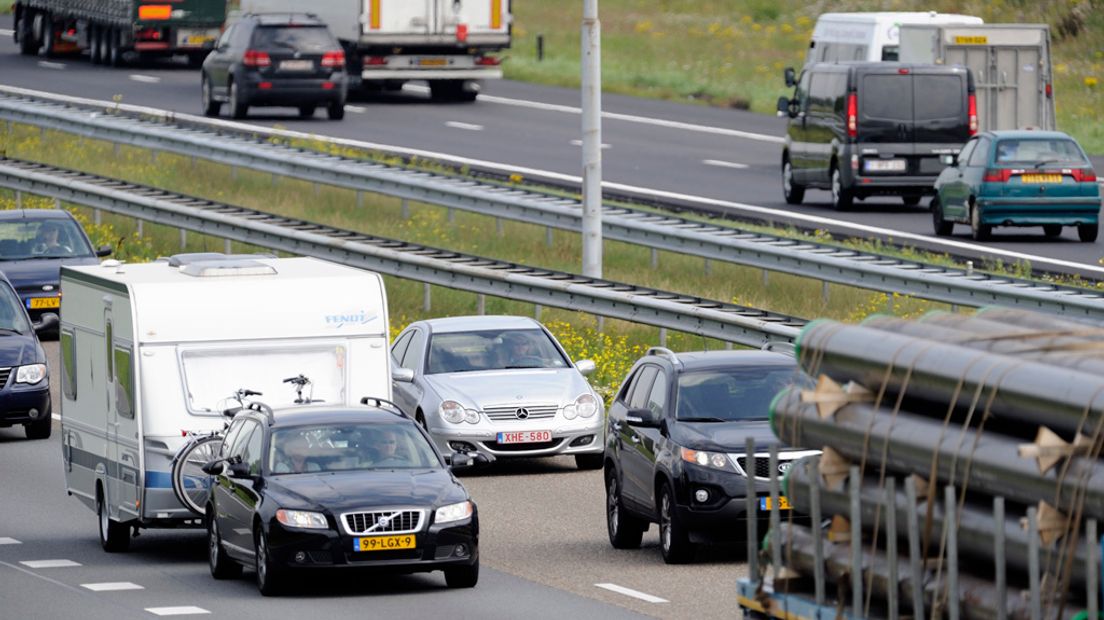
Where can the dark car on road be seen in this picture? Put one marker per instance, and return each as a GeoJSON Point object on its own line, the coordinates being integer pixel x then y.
{"type": "Point", "coordinates": [677, 441]}
{"type": "Point", "coordinates": [338, 487]}
{"type": "Point", "coordinates": [287, 59]}
{"type": "Point", "coordinates": [24, 377]}
{"type": "Point", "coordinates": [34, 244]}
{"type": "Point", "coordinates": [1018, 178]}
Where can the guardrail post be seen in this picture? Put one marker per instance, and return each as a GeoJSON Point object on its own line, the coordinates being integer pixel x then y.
{"type": "Point", "coordinates": [405, 205]}
{"type": "Point", "coordinates": [708, 267]}
{"type": "Point", "coordinates": [57, 203]}
{"type": "Point", "coordinates": [540, 47]}
{"type": "Point", "coordinates": [752, 508]}
{"type": "Point", "coordinates": [97, 216]}
{"type": "Point", "coordinates": [766, 278]}
{"type": "Point", "coordinates": [42, 134]}
{"type": "Point", "coordinates": [233, 173]}
{"type": "Point", "coordinates": [728, 346]}
{"type": "Point", "coordinates": [481, 304]}
{"type": "Point", "coordinates": [426, 297]}
{"type": "Point", "coordinates": [655, 258]}
{"type": "Point", "coordinates": [1000, 575]}
{"type": "Point", "coordinates": [274, 179]}
{"type": "Point", "coordinates": [548, 236]}
{"type": "Point", "coordinates": [360, 199]}
{"type": "Point", "coordinates": [153, 156]}
{"type": "Point", "coordinates": [824, 291]}
{"type": "Point", "coordinates": [537, 311]}
{"type": "Point", "coordinates": [498, 226]}
{"type": "Point", "coordinates": [115, 149]}
{"type": "Point", "coordinates": [183, 238]}
{"type": "Point", "coordinates": [317, 188]}
{"type": "Point", "coordinates": [192, 162]}
{"type": "Point", "coordinates": [139, 228]}
{"type": "Point", "coordinates": [226, 246]}
{"type": "Point", "coordinates": [18, 199]}
{"type": "Point", "coordinates": [662, 336]}
{"type": "Point", "coordinates": [451, 215]}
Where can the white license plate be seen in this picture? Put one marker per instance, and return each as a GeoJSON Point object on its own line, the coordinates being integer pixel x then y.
{"type": "Point", "coordinates": [525, 436]}
{"type": "Point", "coordinates": [885, 165]}
{"type": "Point", "coordinates": [296, 65]}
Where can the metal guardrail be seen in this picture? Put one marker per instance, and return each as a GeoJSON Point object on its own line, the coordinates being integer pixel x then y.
{"type": "Point", "coordinates": [264, 150]}
{"type": "Point", "coordinates": [715, 319]}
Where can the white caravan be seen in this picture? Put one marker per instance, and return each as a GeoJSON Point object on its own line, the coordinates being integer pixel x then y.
{"type": "Point", "coordinates": [869, 36]}
{"type": "Point", "coordinates": [153, 351]}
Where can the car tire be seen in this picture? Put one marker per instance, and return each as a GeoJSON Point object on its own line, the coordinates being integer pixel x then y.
{"type": "Point", "coordinates": [94, 44]}
{"type": "Point", "coordinates": [306, 111]}
{"type": "Point", "coordinates": [114, 536]}
{"type": "Point", "coordinates": [841, 196]}
{"type": "Point", "coordinates": [49, 37]}
{"type": "Point", "coordinates": [911, 200]}
{"type": "Point", "coordinates": [39, 429]}
{"type": "Point", "coordinates": [624, 529]}
{"type": "Point", "coordinates": [674, 540]}
{"type": "Point", "coordinates": [1052, 230]}
{"type": "Point", "coordinates": [211, 108]}
{"type": "Point", "coordinates": [28, 44]}
{"type": "Point", "coordinates": [222, 567]}
{"type": "Point", "coordinates": [940, 226]}
{"type": "Point", "coordinates": [114, 47]}
{"type": "Point", "coordinates": [462, 576]}
{"type": "Point", "coordinates": [589, 461]}
{"type": "Point", "coordinates": [270, 575]}
{"type": "Point", "coordinates": [1087, 232]}
{"type": "Point", "coordinates": [793, 192]}
{"type": "Point", "coordinates": [238, 108]}
{"type": "Point", "coordinates": [979, 231]}
{"type": "Point", "coordinates": [336, 111]}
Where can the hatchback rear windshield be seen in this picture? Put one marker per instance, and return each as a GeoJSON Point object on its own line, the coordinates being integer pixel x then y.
{"type": "Point", "coordinates": [298, 38]}
{"type": "Point", "coordinates": [722, 395]}
{"type": "Point", "coordinates": [1035, 152]}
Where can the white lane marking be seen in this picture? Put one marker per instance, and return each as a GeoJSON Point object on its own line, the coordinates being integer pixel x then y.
{"type": "Point", "coordinates": [55, 416]}
{"type": "Point", "coordinates": [812, 220]}
{"type": "Point", "coordinates": [648, 598]}
{"type": "Point", "coordinates": [111, 586]}
{"type": "Point", "coordinates": [145, 79]}
{"type": "Point", "coordinates": [724, 164]}
{"type": "Point", "coordinates": [467, 126]}
{"type": "Point", "coordinates": [49, 563]}
{"type": "Point", "coordinates": [580, 143]}
{"type": "Point", "coordinates": [7, 33]}
{"type": "Point", "coordinates": [355, 109]}
{"type": "Point", "coordinates": [45, 64]}
{"type": "Point", "coordinates": [189, 610]}
{"type": "Point", "coordinates": [632, 118]}
{"type": "Point", "coordinates": [9, 541]}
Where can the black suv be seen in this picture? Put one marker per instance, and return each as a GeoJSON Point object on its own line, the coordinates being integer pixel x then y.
{"type": "Point", "coordinates": [676, 446]}
{"type": "Point", "coordinates": [862, 129]}
{"type": "Point", "coordinates": [287, 59]}
{"type": "Point", "coordinates": [323, 486]}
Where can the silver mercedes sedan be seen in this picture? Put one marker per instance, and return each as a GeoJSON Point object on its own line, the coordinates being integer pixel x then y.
{"type": "Point", "coordinates": [498, 384]}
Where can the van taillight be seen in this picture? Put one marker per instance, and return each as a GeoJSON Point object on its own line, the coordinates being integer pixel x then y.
{"type": "Point", "coordinates": [973, 114]}
{"type": "Point", "coordinates": [333, 59]}
{"type": "Point", "coordinates": [997, 175]}
{"type": "Point", "coordinates": [852, 115]}
{"type": "Point", "coordinates": [253, 58]}
{"type": "Point", "coordinates": [1083, 175]}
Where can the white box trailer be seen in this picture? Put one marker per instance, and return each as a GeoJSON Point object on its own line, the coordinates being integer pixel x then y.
{"type": "Point", "coordinates": [871, 36]}
{"type": "Point", "coordinates": [150, 352]}
{"type": "Point", "coordinates": [1011, 65]}
{"type": "Point", "coordinates": [389, 42]}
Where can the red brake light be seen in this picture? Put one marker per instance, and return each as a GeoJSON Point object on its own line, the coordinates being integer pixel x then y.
{"type": "Point", "coordinates": [1049, 91]}
{"type": "Point", "coordinates": [333, 59]}
{"type": "Point", "coordinates": [903, 71]}
{"type": "Point", "coordinates": [973, 114]}
{"type": "Point", "coordinates": [462, 33]}
{"type": "Point", "coordinates": [852, 115]}
{"type": "Point", "coordinates": [1083, 175]}
{"type": "Point", "coordinates": [253, 58]}
{"type": "Point", "coordinates": [487, 61]}
{"type": "Point", "coordinates": [997, 175]}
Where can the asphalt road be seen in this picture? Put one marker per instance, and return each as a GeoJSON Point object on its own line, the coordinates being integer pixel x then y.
{"type": "Point", "coordinates": [543, 552]}
{"type": "Point", "coordinates": [687, 151]}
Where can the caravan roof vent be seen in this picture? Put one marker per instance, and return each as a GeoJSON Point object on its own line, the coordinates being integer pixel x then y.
{"type": "Point", "coordinates": [232, 267]}
{"type": "Point", "coordinates": [180, 260]}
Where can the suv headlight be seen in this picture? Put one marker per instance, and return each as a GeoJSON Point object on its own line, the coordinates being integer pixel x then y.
{"type": "Point", "coordinates": [453, 512]}
{"type": "Point", "coordinates": [302, 519]}
{"type": "Point", "coordinates": [455, 413]}
{"type": "Point", "coordinates": [713, 460]}
{"type": "Point", "coordinates": [585, 406]}
{"type": "Point", "coordinates": [30, 374]}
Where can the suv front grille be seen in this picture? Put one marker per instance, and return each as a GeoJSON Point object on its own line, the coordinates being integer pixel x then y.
{"type": "Point", "coordinates": [400, 521]}
{"type": "Point", "coordinates": [4, 374]}
{"type": "Point", "coordinates": [762, 462]}
{"type": "Point", "coordinates": [510, 412]}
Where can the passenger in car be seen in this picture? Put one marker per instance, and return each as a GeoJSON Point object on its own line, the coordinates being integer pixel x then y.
{"type": "Point", "coordinates": [293, 457]}
{"type": "Point", "coordinates": [384, 445]}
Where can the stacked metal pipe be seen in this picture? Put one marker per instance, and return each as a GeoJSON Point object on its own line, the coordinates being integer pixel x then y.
{"type": "Point", "coordinates": [974, 440]}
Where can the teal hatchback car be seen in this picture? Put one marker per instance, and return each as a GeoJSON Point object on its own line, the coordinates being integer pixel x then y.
{"type": "Point", "coordinates": [1018, 178]}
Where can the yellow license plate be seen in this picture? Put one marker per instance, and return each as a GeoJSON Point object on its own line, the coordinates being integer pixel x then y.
{"type": "Point", "coordinates": [40, 303]}
{"type": "Point", "coordinates": [384, 543]}
{"type": "Point", "coordinates": [1042, 178]}
{"type": "Point", "coordinates": [765, 503]}
{"type": "Point", "coordinates": [432, 62]}
{"type": "Point", "coordinates": [198, 39]}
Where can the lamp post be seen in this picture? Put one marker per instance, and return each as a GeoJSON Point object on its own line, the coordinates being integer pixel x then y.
{"type": "Point", "coordinates": [592, 140]}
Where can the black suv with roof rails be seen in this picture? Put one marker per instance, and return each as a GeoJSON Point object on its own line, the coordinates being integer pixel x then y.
{"type": "Point", "coordinates": [338, 487]}
{"type": "Point", "coordinates": [862, 129]}
{"type": "Point", "coordinates": [676, 446]}
{"type": "Point", "coordinates": [275, 59]}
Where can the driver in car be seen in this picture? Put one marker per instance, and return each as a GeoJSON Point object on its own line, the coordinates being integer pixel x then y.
{"type": "Point", "coordinates": [47, 240]}
{"type": "Point", "coordinates": [520, 352]}
{"type": "Point", "coordinates": [384, 447]}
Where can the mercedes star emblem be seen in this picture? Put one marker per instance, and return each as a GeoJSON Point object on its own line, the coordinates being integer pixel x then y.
{"type": "Point", "coordinates": [522, 413]}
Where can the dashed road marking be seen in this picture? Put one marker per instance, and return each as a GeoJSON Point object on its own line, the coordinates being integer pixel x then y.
{"type": "Point", "coordinates": [7, 33]}
{"type": "Point", "coordinates": [111, 586]}
{"type": "Point", "coordinates": [580, 143]}
{"type": "Point", "coordinates": [9, 541]}
{"type": "Point", "coordinates": [49, 563]}
{"type": "Point", "coordinates": [467, 126]}
{"type": "Point", "coordinates": [355, 109]}
{"type": "Point", "coordinates": [724, 164]}
{"type": "Point", "coordinates": [648, 598]}
{"type": "Point", "coordinates": [145, 79]}
{"type": "Point", "coordinates": [189, 610]}
{"type": "Point", "coordinates": [45, 64]}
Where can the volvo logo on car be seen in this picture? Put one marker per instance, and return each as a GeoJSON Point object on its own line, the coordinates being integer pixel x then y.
{"type": "Point", "coordinates": [784, 466]}
{"type": "Point", "coordinates": [522, 413]}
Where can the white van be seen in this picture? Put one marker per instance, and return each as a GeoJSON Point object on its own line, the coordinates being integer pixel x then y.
{"type": "Point", "coordinates": [869, 36]}
{"type": "Point", "coordinates": [150, 352]}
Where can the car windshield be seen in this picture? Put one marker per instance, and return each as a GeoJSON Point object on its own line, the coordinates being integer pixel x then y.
{"type": "Point", "coordinates": [46, 238]}
{"type": "Point", "coordinates": [349, 447]}
{"type": "Point", "coordinates": [13, 320]}
{"type": "Point", "coordinates": [492, 350]}
{"type": "Point", "coordinates": [299, 38]}
{"type": "Point", "coordinates": [727, 394]}
{"type": "Point", "coordinates": [1034, 151]}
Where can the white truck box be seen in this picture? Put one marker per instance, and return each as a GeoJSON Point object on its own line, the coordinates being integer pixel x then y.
{"type": "Point", "coordinates": [872, 36]}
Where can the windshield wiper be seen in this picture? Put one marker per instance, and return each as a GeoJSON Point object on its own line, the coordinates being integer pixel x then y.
{"type": "Point", "coordinates": [703, 420]}
{"type": "Point", "coordinates": [1040, 164]}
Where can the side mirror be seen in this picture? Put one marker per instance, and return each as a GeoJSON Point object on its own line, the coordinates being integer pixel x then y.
{"type": "Point", "coordinates": [585, 367]}
{"type": "Point", "coordinates": [790, 77]}
{"type": "Point", "coordinates": [644, 418]}
{"type": "Point", "coordinates": [949, 160]}
{"type": "Point", "coordinates": [403, 375]}
{"type": "Point", "coordinates": [49, 322]}
{"type": "Point", "coordinates": [104, 250]}
{"type": "Point", "coordinates": [214, 467]}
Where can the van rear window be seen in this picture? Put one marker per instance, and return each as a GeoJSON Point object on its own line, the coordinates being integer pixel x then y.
{"type": "Point", "coordinates": [938, 97]}
{"type": "Point", "coordinates": [886, 96]}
